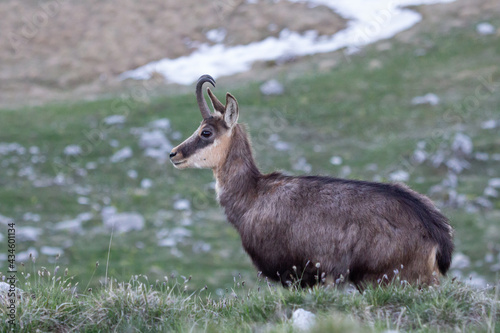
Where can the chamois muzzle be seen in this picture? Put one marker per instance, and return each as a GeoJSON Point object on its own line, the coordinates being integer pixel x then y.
{"type": "Point", "coordinates": [202, 103]}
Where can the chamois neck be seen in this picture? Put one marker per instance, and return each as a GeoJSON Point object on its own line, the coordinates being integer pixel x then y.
{"type": "Point", "coordinates": [237, 177]}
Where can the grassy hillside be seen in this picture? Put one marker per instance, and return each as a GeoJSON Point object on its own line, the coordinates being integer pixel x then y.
{"type": "Point", "coordinates": [361, 111]}
{"type": "Point", "coordinates": [51, 305]}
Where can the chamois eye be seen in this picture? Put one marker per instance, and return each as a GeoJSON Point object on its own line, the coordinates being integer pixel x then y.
{"type": "Point", "coordinates": [206, 133]}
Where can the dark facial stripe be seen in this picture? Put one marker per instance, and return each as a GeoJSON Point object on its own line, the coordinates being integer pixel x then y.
{"type": "Point", "coordinates": [192, 146]}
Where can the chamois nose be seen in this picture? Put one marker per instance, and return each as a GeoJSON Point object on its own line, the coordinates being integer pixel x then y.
{"type": "Point", "coordinates": [173, 153]}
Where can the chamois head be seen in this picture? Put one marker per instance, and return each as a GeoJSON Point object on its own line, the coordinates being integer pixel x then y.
{"type": "Point", "coordinates": [208, 146]}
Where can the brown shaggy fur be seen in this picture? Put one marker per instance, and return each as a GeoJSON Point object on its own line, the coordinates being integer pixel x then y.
{"type": "Point", "coordinates": [319, 229]}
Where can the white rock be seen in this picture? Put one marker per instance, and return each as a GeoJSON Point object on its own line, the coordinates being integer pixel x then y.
{"type": "Point", "coordinates": [51, 250]}
{"type": "Point", "coordinates": [153, 139]}
{"type": "Point", "coordinates": [34, 150]}
{"type": "Point", "coordinates": [485, 28]}
{"type": "Point", "coordinates": [462, 143]}
{"type": "Point", "coordinates": [83, 200]}
{"type": "Point", "coordinates": [124, 222]}
{"type": "Point", "coordinates": [282, 146]}
{"type": "Point", "coordinates": [146, 183]}
{"type": "Point", "coordinates": [489, 124]}
{"type": "Point", "coordinates": [7, 148]}
{"type": "Point", "coordinates": [72, 150]}
{"type": "Point", "coordinates": [132, 174]}
{"type": "Point", "coordinates": [91, 165]}
{"type": "Point", "coordinates": [302, 165]}
{"type": "Point", "coordinates": [25, 234]}
{"type": "Point", "coordinates": [25, 256]}
{"type": "Point", "coordinates": [114, 119]}
{"type": "Point", "coordinates": [419, 156]}
{"type": "Point", "coordinates": [182, 204]}
{"type": "Point", "coordinates": [162, 123]}
{"type": "Point", "coordinates": [167, 242]}
{"type": "Point", "coordinates": [74, 226]}
{"type": "Point", "coordinates": [201, 247]}
{"type": "Point", "coordinates": [216, 35]}
{"type": "Point", "coordinates": [303, 320]}
{"type": "Point", "coordinates": [121, 155]}
{"type": "Point", "coordinates": [457, 165]}
{"type": "Point", "coordinates": [494, 182]}
{"type": "Point", "coordinates": [345, 171]}
{"type": "Point", "coordinates": [399, 176]}
{"type": "Point", "coordinates": [481, 156]}
{"type": "Point", "coordinates": [460, 261]}
{"type": "Point", "coordinates": [336, 160]}
{"type": "Point", "coordinates": [108, 211]}
{"type": "Point", "coordinates": [430, 98]}
{"type": "Point", "coordinates": [272, 87]}
{"type": "Point", "coordinates": [483, 202]}
{"type": "Point", "coordinates": [156, 145]}
{"type": "Point", "coordinates": [5, 220]}
{"type": "Point", "coordinates": [114, 143]}
{"type": "Point", "coordinates": [5, 288]}
{"type": "Point", "coordinates": [180, 233]}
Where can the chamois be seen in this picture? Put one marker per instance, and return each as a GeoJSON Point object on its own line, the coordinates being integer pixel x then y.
{"type": "Point", "coordinates": [311, 228]}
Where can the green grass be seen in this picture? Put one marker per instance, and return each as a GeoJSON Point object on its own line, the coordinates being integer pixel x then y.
{"type": "Point", "coordinates": [355, 111]}
{"type": "Point", "coordinates": [49, 303]}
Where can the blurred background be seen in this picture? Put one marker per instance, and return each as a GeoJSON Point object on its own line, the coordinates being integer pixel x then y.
{"type": "Point", "coordinates": [94, 94]}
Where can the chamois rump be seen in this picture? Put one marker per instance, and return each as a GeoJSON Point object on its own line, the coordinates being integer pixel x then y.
{"type": "Point", "coordinates": [311, 228]}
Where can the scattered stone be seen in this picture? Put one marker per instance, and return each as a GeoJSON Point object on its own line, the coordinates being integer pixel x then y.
{"type": "Point", "coordinates": [302, 165]}
{"type": "Point", "coordinates": [182, 204]}
{"type": "Point", "coordinates": [430, 98]}
{"type": "Point", "coordinates": [27, 234]}
{"type": "Point", "coordinates": [272, 87]}
{"type": "Point", "coordinates": [216, 35]}
{"type": "Point", "coordinates": [91, 165]}
{"type": "Point", "coordinates": [25, 256]}
{"type": "Point", "coordinates": [457, 165]}
{"type": "Point", "coordinates": [146, 183]}
{"type": "Point", "coordinates": [345, 171]}
{"type": "Point", "coordinates": [114, 143]}
{"type": "Point", "coordinates": [336, 160]}
{"type": "Point", "coordinates": [121, 155]}
{"type": "Point", "coordinates": [83, 200]}
{"type": "Point", "coordinates": [462, 143]}
{"type": "Point", "coordinates": [483, 202]}
{"type": "Point", "coordinates": [34, 150]}
{"type": "Point", "coordinates": [460, 261]}
{"type": "Point", "coordinates": [201, 247]}
{"type": "Point", "coordinates": [5, 220]}
{"type": "Point", "coordinates": [51, 251]}
{"type": "Point", "coordinates": [494, 182]}
{"type": "Point", "coordinates": [485, 28]}
{"type": "Point", "coordinates": [31, 217]}
{"type": "Point", "coordinates": [419, 156]}
{"type": "Point", "coordinates": [162, 123]}
{"type": "Point", "coordinates": [156, 145]}
{"type": "Point", "coordinates": [489, 124]}
{"type": "Point", "coordinates": [72, 150]}
{"type": "Point", "coordinates": [124, 222]}
{"type": "Point", "coordinates": [399, 176]}
{"type": "Point", "coordinates": [132, 174]}
{"type": "Point", "coordinates": [14, 147]}
{"type": "Point", "coordinates": [114, 119]}
{"type": "Point", "coordinates": [74, 226]}
{"type": "Point", "coordinates": [481, 156]}
{"type": "Point", "coordinates": [282, 146]}
{"type": "Point", "coordinates": [303, 320]}
{"type": "Point", "coordinates": [5, 288]}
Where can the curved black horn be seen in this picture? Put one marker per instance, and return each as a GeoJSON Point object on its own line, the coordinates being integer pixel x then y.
{"type": "Point", "coordinates": [202, 103]}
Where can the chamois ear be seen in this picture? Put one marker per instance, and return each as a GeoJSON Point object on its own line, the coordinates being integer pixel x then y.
{"type": "Point", "coordinates": [231, 113]}
{"type": "Point", "coordinates": [217, 105]}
